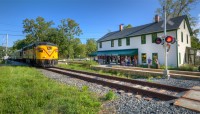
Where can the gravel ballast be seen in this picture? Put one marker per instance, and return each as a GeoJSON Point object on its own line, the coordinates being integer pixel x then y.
{"type": "Point", "coordinates": [129, 103]}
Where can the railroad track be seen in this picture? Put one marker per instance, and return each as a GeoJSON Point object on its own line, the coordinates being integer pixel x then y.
{"type": "Point", "coordinates": [154, 72]}
{"type": "Point", "coordinates": [154, 90]}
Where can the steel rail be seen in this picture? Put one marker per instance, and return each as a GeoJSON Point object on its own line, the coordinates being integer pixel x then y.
{"type": "Point", "coordinates": [161, 96]}
{"type": "Point", "coordinates": [150, 84]}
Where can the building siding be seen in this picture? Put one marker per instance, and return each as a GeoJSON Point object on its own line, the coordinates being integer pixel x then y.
{"type": "Point", "coordinates": [148, 48]}
{"type": "Point", "coordinates": [182, 45]}
{"type": "Point", "coordinates": [173, 55]}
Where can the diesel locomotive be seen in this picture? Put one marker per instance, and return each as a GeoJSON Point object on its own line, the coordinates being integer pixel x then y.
{"type": "Point", "coordinates": [43, 54]}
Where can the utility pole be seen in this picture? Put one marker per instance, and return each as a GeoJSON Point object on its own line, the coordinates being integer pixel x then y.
{"type": "Point", "coordinates": [166, 71]}
{"type": "Point", "coordinates": [6, 57]}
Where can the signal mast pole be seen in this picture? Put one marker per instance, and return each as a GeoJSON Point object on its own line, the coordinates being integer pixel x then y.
{"type": "Point", "coordinates": [166, 72]}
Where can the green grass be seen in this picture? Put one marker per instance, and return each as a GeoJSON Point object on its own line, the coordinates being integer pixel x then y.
{"type": "Point", "coordinates": [110, 95]}
{"type": "Point", "coordinates": [25, 90]}
{"type": "Point", "coordinates": [87, 67]}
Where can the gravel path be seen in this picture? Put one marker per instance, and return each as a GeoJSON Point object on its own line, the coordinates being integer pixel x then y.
{"type": "Point", "coordinates": [130, 103]}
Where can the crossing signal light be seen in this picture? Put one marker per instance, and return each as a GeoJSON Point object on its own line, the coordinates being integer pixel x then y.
{"type": "Point", "coordinates": [170, 39]}
{"type": "Point", "coordinates": [159, 41]}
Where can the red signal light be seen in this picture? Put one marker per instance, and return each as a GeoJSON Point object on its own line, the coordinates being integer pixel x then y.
{"type": "Point", "coordinates": [170, 39]}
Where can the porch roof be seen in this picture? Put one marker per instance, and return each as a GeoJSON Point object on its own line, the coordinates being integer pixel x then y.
{"type": "Point", "coordinates": [119, 52]}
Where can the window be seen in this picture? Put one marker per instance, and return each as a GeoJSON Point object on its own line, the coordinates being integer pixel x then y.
{"type": "Point", "coordinates": [100, 45]}
{"type": "Point", "coordinates": [112, 43]}
{"type": "Point", "coordinates": [187, 38]}
{"type": "Point", "coordinates": [154, 36]}
{"type": "Point", "coordinates": [119, 42]}
{"type": "Point", "coordinates": [143, 39]}
{"type": "Point", "coordinates": [179, 58]}
{"type": "Point", "coordinates": [181, 36]}
{"type": "Point", "coordinates": [127, 41]}
{"type": "Point", "coordinates": [144, 57]}
{"type": "Point", "coordinates": [154, 57]}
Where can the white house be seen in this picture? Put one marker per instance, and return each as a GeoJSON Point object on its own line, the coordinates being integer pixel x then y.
{"type": "Point", "coordinates": [139, 42]}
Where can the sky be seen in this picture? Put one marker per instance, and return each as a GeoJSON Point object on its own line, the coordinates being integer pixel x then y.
{"type": "Point", "coordinates": [95, 17]}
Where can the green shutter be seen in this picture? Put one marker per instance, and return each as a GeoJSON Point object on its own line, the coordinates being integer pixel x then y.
{"type": "Point", "coordinates": [119, 42]}
{"type": "Point", "coordinates": [100, 45]}
{"type": "Point", "coordinates": [128, 41]}
{"type": "Point", "coordinates": [143, 39]}
{"type": "Point", "coordinates": [112, 43]}
{"type": "Point", "coordinates": [154, 36]}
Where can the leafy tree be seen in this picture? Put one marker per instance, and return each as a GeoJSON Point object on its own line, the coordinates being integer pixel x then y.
{"type": "Point", "coordinates": [38, 29]}
{"type": "Point", "coordinates": [195, 42]}
{"type": "Point", "coordinates": [128, 26]}
{"type": "Point", "coordinates": [64, 35]}
{"type": "Point", "coordinates": [2, 52]}
{"type": "Point", "coordinates": [176, 8]}
{"type": "Point", "coordinates": [91, 46]}
{"type": "Point", "coordinates": [69, 29]}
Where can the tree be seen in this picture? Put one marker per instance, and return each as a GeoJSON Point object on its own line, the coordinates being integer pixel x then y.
{"type": "Point", "coordinates": [128, 26]}
{"type": "Point", "coordinates": [2, 52]}
{"type": "Point", "coordinates": [176, 8]}
{"type": "Point", "coordinates": [37, 29]}
{"type": "Point", "coordinates": [69, 29]}
{"type": "Point", "coordinates": [195, 42]}
{"type": "Point", "coordinates": [63, 36]}
{"type": "Point", "coordinates": [91, 46]}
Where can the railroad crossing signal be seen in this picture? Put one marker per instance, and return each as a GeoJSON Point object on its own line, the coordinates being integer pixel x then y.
{"type": "Point", "coordinates": [159, 41]}
{"type": "Point", "coordinates": [168, 39]}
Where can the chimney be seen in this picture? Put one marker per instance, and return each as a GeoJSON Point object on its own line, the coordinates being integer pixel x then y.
{"type": "Point", "coordinates": [157, 18]}
{"type": "Point", "coordinates": [121, 27]}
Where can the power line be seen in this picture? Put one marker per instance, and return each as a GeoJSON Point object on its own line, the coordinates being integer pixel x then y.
{"type": "Point", "coordinates": [13, 34]}
{"type": "Point", "coordinates": [10, 31]}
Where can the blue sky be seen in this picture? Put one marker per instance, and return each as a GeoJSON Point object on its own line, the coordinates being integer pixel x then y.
{"type": "Point", "coordinates": [95, 17]}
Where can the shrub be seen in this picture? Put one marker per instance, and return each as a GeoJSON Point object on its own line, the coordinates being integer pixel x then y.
{"type": "Point", "coordinates": [187, 68]}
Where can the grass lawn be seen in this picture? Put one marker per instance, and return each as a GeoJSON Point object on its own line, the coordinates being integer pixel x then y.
{"type": "Point", "coordinates": [85, 66]}
{"type": "Point", "coordinates": [25, 90]}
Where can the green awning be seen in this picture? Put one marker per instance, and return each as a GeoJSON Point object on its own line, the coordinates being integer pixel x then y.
{"type": "Point", "coordinates": [119, 52]}
{"type": "Point", "coordinates": [93, 54]}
